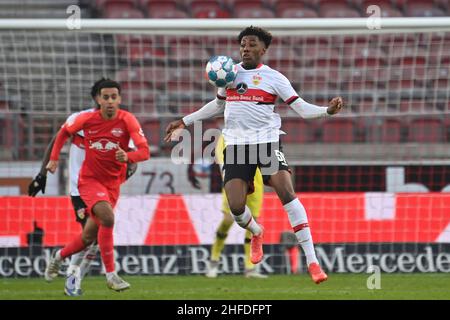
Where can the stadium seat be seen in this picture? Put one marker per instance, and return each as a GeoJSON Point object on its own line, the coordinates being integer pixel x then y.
{"type": "Point", "coordinates": [389, 131]}
{"type": "Point", "coordinates": [407, 77]}
{"type": "Point", "coordinates": [280, 56]}
{"type": "Point", "coordinates": [439, 78]}
{"type": "Point", "coordinates": [254, 13]}
{"type": "Point", "coordinates": [105, 4]}
{"type": "Point", "coordinates": [439, 52]}
{"type": "Point", "coordinates": [422, 8]}
{"type": "Point", "coordinates": [161, 5]}
{"type": "Point", "coordinates": [140, 102]}
{"type": "Point", "coordinates": [293, 9]}
{"type": "Point", "coordinates": [319, 55]}
{"type": "Point", "coordinates": [424, 130]}
{"type": "Point", "coordinates": [138, 53]}
{"type": "Point", "coordinates": [413, 106]}
{"type": "Point", "coordinates": [212, 14]}
{"type": "Point", "coordinates": [171, 14]}
{"type": "Point", "coordinates": [165, 10]}
{"type": "Point", "coordinates": [316, 80]}
{"type": "Point", "coordinates": [153, 76]}
{"type": "Point", "coordinates": [207, 9]}
{"type": "Point", "coordinates": [359, 79]}
{"type": "Point", "coordinates": [297, 13]}
{"type": "Point", "coordinates": [4, 106]}
{"type": "Point", "coordinates": [388, 9]}
{"type": "Point", "coordinates": [336, 9]}
{"type": "Point", "coordinates": [236, 5]}
{"type": "Point", "coordinates": [189, 55]}
{"type": "Point", "coordinates": [122, 13]}
{"type": "Point", "coordinates": [338, 130]}
{"type": "Point", "coordinates": [186, 74]}
{"type": "Point", "coordinates": [363, 55]}
{"type": "Point", "coordinates": [152, 130]}
{"type": "Point", "coordinates": [297, 131]}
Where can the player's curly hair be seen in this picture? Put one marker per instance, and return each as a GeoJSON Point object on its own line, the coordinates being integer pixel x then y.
{"type": "Point", "coordinates": [103, 83]}
{"type": "Point", "coordinates": [263, 35]}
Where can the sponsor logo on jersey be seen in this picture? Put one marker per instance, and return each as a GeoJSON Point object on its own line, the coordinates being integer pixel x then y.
{"type": "Point", "coordinates": [117, 132]}
{"type": "Point", "coordinates": [101, 194]}
{"type": "Point", "coordinates": [241, 87]}
{"type": "Point", "coordinates": [251, 95]}
{"type": "Point", "coordinates": [141, 132]}
{"type": "Point", "coordinates": [103, 145]}
{"type": "Point", "coordinates": [256, 79]}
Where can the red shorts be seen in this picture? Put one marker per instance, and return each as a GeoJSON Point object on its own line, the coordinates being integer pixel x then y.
{"type": "Point", "coordinates": [92, 191]}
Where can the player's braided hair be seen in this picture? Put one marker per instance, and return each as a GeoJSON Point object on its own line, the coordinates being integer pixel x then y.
{"type": "Point", "coordinates": [262, 34]}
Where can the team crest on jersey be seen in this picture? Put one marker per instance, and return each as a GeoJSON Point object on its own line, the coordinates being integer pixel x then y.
{"type": "Point", "coordinates": [117, 132]}
{"type": "Point", "coordinates": [241, 88]}
{"type": "Point", "coordinates": [81, 213]}
{"type": "Point", "coordinates": [256, 79]}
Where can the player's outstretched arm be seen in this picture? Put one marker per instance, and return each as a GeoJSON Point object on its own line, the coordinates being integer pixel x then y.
{"type": "Point", "coordinates": [39, 182]}
{"type": "Point", "coordinates": [209, 110]}
{"type": "Point", "coordinates": [310, 111]}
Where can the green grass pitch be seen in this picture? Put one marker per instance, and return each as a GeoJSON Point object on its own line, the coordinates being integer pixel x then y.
{"type": "Point", "coordinates": [235, 287]}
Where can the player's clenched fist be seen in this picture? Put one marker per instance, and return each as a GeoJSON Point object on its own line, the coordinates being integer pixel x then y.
{"type": "Point", "coordinates": [335, 105]}
{"type": "Point", "coordinates": [121, 155]}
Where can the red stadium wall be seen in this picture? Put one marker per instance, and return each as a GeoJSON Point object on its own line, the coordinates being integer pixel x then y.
{"type": "Point", "coordinates": [192, 219]}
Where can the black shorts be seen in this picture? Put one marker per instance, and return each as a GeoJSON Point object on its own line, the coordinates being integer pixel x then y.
{"type": "Point", "coordinates": [80, 209]}
{"type": "Point", "coordinates": [241, 161]}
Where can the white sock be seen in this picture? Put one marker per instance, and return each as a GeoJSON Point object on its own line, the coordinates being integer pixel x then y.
{"type": "Point", "coordinates": [58, 255]}
{"type": "Point", "coordinates": [246, 221]}
{"type": "Point", "coordinates": [299, 222]}
{"type": "Point", "coordinates": [88, 257]}
{"type": "Point", "coordinates": [75, 261]}
{"type": "Point", "coordinates": [109, 275]}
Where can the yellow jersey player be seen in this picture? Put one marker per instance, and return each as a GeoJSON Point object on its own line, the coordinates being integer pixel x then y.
{"type": "Point", "coordinates": [254, 203]}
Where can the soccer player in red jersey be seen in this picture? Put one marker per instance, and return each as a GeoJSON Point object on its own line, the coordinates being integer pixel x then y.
{"type": "Point", "coordinates": [107, 133]}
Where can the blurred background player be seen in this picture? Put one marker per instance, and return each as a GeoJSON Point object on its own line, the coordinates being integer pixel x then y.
{"type": "Point", "coordinates": [107, 133]}
{"type": "Point", "coordinates": [254, 203]}
{"type": "Point", "coordinates": [80, 262]}
{"type": "Point", "coordinates": [251, 133]}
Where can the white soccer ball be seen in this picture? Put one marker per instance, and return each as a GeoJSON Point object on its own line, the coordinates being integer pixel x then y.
{"type": "Point", "coordinates": [221, 71]}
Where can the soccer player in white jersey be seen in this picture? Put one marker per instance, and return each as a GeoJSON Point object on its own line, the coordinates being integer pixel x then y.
{"type": "Point", "coordinates": [251, 133]}
{"type": "Point", "coordinates": [80, 262]}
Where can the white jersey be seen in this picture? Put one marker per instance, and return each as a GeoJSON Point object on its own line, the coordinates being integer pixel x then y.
{"type": "Point", "coordinates": [250, 102]}
{"type": "Point", "coordinates": [76, 154]}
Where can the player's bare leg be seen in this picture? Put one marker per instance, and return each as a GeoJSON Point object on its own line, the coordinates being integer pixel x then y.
{"type": "Point", "coordinates": [281, 182]}
{"type": "Point", "coordinates": [103, 211]}
{"type": "Point", "coordinates": [236, 191]}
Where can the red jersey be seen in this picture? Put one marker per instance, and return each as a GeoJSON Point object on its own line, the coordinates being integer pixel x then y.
{"type": "Point", "coordinates": [102, 138]}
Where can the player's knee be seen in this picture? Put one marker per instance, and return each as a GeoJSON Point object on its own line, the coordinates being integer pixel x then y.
{"type": "Point", "coordinates": [237, 208]}
{"type": "Point", "coordinates": [287, 196]}
{"type": "Point", "coordinates": [107, 221]}
{"type": "Point", "coordinates": [88, 238]}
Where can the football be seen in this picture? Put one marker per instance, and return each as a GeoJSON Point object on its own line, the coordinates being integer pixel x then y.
{"type": "Point", "coordinates": [221, 71]}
